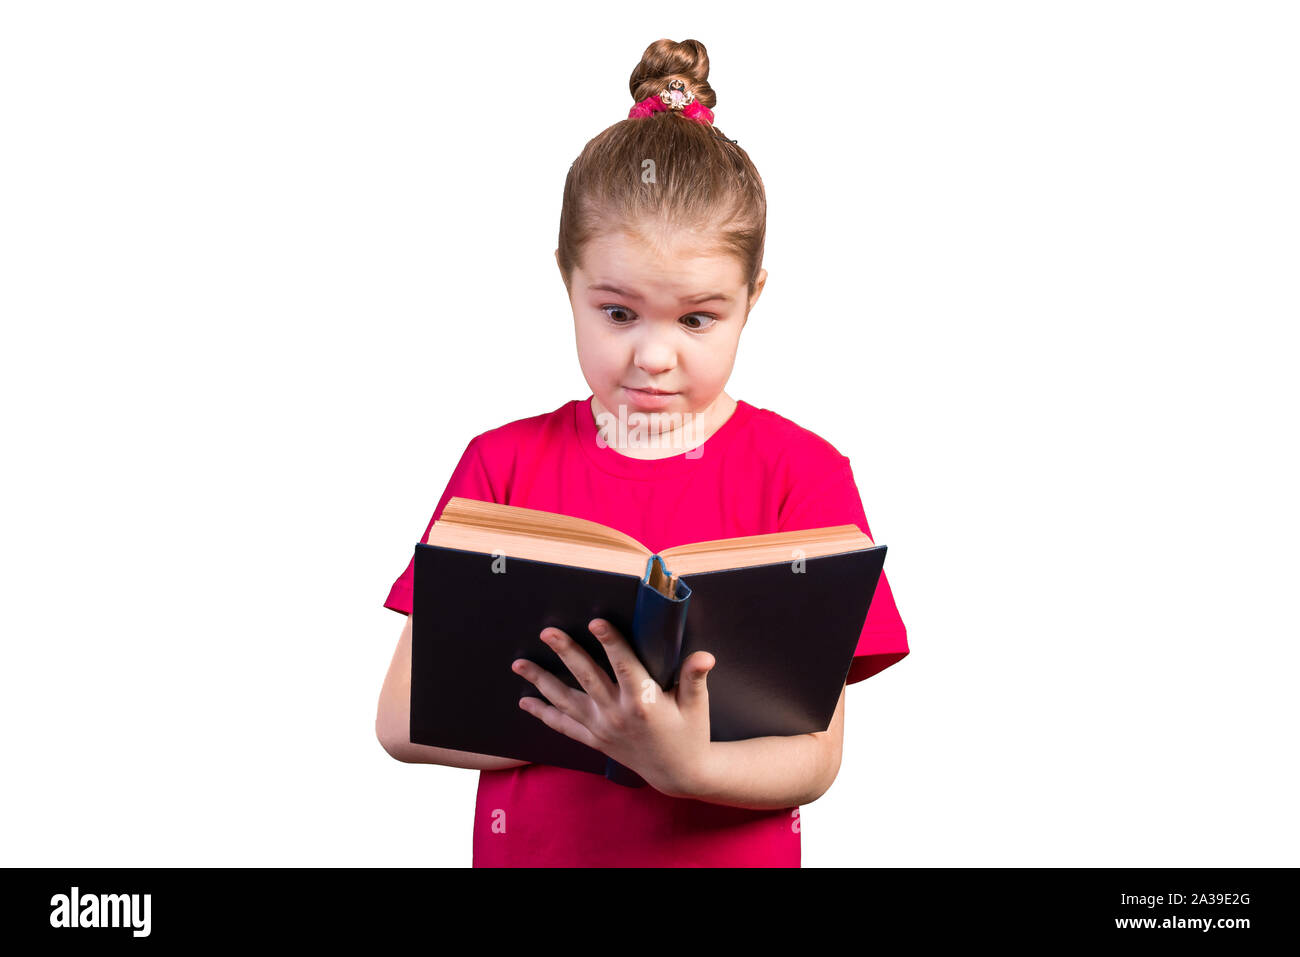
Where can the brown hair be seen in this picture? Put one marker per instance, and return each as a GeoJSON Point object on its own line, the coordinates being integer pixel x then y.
{"type": "Point", "coordinates": [702, 180]}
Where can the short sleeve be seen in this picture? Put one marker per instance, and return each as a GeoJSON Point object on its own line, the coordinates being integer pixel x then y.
{"type": "Point", "coordinates": [835, 501]}
{"type": "Point", "coordinates": [468, 480]}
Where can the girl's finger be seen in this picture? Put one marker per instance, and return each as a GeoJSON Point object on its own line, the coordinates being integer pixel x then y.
{"type": "Point", "coordinates": [561, 722]}
{"type": "Point", "coordinates": [628, 670]}
{"type": "Point", "coordinates": [592, 678]}
{"type": "Point", "coordinates": [556, 691]}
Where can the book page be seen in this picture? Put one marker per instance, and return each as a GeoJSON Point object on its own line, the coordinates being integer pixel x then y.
{"type": "Point", "coordinates": [767, 549]}
{"type": "Point", "coordinates": [516, 532]}
{"type": "Point", "coordinates": [530, 521]}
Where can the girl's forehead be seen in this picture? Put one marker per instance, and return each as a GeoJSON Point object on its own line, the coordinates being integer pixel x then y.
{"type": "Point", "coordinates": [652, 239]}
{"type": "Point", "coordinates": [682, 260]}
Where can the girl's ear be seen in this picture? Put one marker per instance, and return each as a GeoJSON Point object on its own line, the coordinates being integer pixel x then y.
{"type": "Point", "coordinates": [758, 287]}
{"type": "Point", "coordinates": [561, 268]}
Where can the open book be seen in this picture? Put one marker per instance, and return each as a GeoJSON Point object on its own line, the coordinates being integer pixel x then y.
{"type": "Point", "coordinates": [781, 613]}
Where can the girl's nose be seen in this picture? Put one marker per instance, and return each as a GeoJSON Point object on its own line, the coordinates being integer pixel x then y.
{"type": "Point", "coordinates": [654, 356]}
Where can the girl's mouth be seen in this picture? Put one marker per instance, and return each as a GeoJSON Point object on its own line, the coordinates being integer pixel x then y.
{"type": "Point", "coordinates": [649, 400]}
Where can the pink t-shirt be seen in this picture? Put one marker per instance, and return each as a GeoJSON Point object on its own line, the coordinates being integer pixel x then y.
{"type": "Point", "coordinates": [758, 473]}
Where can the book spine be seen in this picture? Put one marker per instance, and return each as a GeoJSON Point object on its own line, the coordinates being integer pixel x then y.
{"type": "Point", "coordinates": [658, 627]}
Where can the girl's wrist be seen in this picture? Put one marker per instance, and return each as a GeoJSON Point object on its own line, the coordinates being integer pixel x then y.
{"type": "Point", "coordinates": [693, 778]}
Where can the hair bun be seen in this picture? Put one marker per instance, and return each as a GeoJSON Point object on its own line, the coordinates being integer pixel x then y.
{"type": "Point", "coordinates": [667, 60]}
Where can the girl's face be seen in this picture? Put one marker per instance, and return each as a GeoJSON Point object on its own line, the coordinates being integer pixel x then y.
{"type": "Point", "coordinates": [663, 317]}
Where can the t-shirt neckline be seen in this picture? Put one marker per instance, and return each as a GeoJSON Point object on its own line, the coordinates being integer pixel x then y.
{"type": "Point", "coordinates": [613, 462]}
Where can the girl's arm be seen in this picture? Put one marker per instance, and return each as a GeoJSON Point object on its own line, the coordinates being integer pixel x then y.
{"type": "Point", "coordinates": [393, 721]}
{"type": "Point", "coordinates": [772, 772]}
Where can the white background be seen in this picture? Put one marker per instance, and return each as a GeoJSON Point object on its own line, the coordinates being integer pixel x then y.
{"type": "Point", "coordinates": [267, 267]}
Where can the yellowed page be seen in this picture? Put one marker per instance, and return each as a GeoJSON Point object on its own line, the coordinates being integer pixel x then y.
{"type": "Point", "coordinates": [726, 553]}
{"type": "Point", "coordinates": [531, 521]}
{"type": "Point", "coordinates": [517, 532]}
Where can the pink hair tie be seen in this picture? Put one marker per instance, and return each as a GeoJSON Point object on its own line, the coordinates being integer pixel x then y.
{"type": "Point", "coordinates": [698, 111]}
{"type": "Point", "coordinates": [650, 104]}
{"type": "Point", "coordinates": [677, 98]}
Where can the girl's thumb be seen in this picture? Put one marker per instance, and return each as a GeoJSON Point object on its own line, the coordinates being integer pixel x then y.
{"type": "Point", "coordinates": [693, 689]}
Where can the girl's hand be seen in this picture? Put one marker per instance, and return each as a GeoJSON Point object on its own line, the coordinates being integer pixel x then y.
{"type": "Point", "coordinates": [661, 735]}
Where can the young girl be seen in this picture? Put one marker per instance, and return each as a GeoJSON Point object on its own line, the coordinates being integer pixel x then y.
{"type": "Point", "coordinates": [660, 248]}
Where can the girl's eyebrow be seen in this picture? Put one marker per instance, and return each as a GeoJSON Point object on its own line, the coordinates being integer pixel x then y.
{"type": "Point", "coordinates": [631, 294]}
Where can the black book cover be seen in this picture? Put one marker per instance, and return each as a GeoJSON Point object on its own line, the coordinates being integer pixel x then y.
{"type": "Point", "coordinates": [783, 635]}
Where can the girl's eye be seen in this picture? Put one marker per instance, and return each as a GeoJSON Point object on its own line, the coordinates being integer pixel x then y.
{"type": "Point", "coordinates": [611, 311]}
{"type": "Point", "coordinates": [621, 316]}
{"type": "Point", "coordinates": [701, 316]}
